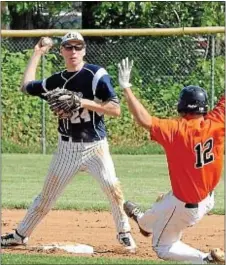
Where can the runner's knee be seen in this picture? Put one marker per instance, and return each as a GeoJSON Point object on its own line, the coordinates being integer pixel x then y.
{"type": "Point", "coordinates": [162, 252]}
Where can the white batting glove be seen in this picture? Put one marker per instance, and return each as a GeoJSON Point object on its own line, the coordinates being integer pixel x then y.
{"type": "Point", "coordinates": [124, 70]}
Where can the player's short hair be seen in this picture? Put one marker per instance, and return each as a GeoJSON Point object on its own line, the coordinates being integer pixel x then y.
{"type": "Point", "coordinates": [193, 100]}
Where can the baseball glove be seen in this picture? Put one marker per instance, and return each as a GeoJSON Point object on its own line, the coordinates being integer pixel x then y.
{"type": "Point", "coordinates": [63, 102]}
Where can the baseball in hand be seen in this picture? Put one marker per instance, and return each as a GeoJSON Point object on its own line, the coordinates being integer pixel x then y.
{"type": "Point", "coordinates": [46, 42]}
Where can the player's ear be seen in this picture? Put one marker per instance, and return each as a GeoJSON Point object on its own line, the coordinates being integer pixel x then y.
{"type": "Point", "coordinates": [84, 51]}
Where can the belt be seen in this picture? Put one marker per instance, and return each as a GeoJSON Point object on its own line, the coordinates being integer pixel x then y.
{"type": "Point", "coordinates": [76, 140]}
{"type": "Point", "coordinates": [191, 205]}
{"type": "Point", "coordinates": [194, 205]}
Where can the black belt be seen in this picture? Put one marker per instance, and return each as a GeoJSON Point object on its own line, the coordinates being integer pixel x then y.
{"type": "Point", "coordinates": [76, 140]}
{"type": "Point", "coordinates": [191, 205]}
{"type": "Point", "coordinates": [194, 205]}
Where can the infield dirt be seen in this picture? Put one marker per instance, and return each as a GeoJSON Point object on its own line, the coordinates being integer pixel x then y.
{"type": "Point", "coordinates": [97, 229]}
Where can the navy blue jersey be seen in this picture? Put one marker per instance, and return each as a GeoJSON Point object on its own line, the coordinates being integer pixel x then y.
{"type": "Point", "coordinates": [91, 82]}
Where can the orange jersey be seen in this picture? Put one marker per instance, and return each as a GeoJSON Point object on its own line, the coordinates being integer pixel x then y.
{"type": "Point", "coordinates": [194, 150]}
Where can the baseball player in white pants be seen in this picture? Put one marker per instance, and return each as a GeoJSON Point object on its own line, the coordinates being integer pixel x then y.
{"type": "Point", "coordinates": [194, 146]}
{"type": "Point", "coordinates": [165, 221]}
{"type": "Point", "coordinates": [82, 143]}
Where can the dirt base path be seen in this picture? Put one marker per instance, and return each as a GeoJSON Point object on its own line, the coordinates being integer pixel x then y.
{"type": "Point", "coordinates": [97, 229]}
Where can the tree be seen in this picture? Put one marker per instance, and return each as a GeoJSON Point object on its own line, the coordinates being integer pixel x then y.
{"type": "Point", "coordinates": [38, 14]}
{"type": "Point", "coordinates": [3, 11]}
{"type": "Point", "coordinates": [152, 14]}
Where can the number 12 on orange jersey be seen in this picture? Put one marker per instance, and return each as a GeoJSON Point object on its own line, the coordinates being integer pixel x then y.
{"type": "Point", "coordinates": [204, 153]}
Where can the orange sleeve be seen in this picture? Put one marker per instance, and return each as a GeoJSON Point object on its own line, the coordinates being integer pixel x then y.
{"type": "Point", "coordinates": [163, 130]}
{"type": "Point", "coordinates": [218, 113]}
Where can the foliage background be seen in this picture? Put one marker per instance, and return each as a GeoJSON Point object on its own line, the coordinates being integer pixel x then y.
{"type": "Point", "coordinates": [88, 15]}
{"type": "Point", "coordinates": [21, 114]}
{"type": "Point", "coordinates": [162, 65]}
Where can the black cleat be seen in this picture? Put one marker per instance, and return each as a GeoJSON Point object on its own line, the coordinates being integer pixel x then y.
{"type": "Point", "coordinates": [133, 211]}
{"type": "Point", "coordinates": [13, 239]}
{"type": "Point", "coordinates": [125, 238]}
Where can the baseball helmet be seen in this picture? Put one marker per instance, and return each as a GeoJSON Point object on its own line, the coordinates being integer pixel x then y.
{"type": "Point", "coordinates": [193, 100]}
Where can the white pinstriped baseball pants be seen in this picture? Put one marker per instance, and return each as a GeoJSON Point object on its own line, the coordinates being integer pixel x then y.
{"type": "Point", "coordinates": [69, 158]}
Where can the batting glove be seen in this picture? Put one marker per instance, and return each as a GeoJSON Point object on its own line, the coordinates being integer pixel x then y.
{"type": "Point", "coordinates": [124, 70]}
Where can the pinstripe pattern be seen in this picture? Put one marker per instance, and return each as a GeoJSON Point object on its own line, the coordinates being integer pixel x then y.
{"type": "Point", "coordinates": [99, 163]}
{"type": "Point", "coordinates": [67, 161]}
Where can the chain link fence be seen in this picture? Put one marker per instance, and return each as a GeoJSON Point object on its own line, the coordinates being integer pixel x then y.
{"type": "Point", "coordinates": [162, 65]}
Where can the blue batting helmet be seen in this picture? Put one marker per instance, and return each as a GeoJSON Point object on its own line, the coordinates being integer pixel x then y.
{"type": "Point", "coordinates": [193, 100]}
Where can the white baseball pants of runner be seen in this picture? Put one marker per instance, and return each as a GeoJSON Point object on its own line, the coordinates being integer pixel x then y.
{"type": "Point", "coordinates": [167, 219]}
{"type": "Point", "coordinates": [71, 157]}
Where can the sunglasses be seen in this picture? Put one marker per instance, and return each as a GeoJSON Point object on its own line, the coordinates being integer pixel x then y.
{"type": "Point", "coordinates": [69, 47]}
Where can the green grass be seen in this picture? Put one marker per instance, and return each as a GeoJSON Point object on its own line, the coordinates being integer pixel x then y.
{"type": "Point", "coordinates": [41, 259]}
{"type": "Point", "coordinates": [143, 177]}
{"type": "Point", "coordinates": [147, 148]}
{"type": "Point", "coordinates": [125, 147]}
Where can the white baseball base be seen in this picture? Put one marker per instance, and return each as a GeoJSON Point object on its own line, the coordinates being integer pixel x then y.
{"type": "Point", "coordinates": [77, 248]}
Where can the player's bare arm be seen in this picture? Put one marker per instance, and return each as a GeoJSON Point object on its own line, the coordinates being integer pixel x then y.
{"type": "Point", "coordinates": [139, 112]}
{"type": "Point", "coordinates": [110, 108]}
{"type": "Point", "coordinates": [29, 75]}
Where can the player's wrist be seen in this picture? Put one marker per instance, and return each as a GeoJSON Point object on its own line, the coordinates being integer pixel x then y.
{"type": "Point", "coordinates": [37, 53]}
{"type": "Point", "coordinates": [127, 90]}
{"type": "Point", "coordinates": [125, 85]}
{"type": "Point", "coordinates": [82, 101]}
